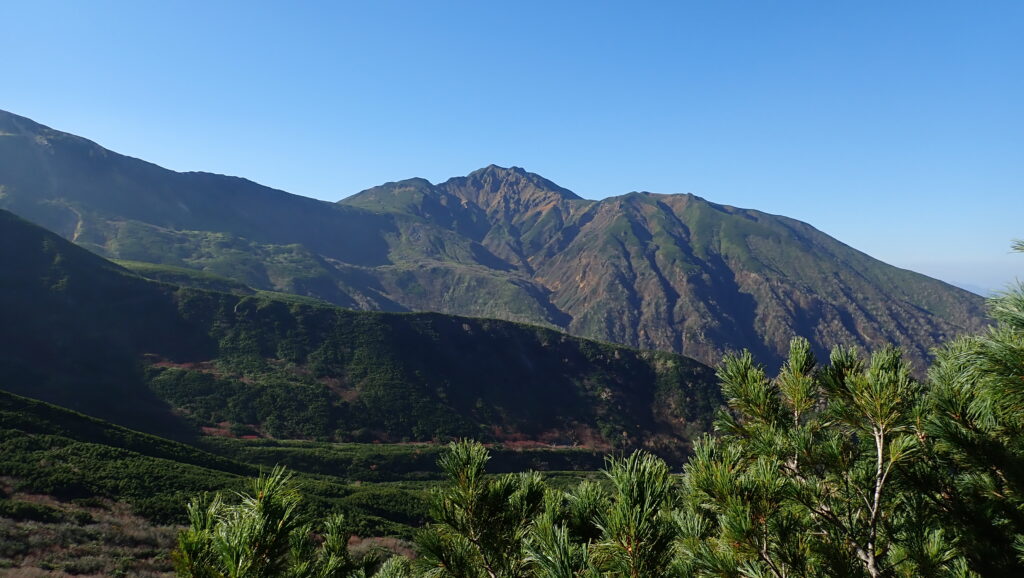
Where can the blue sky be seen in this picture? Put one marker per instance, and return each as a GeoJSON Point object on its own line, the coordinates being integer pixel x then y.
{"type": "Point", "coordinates": [896, 127]}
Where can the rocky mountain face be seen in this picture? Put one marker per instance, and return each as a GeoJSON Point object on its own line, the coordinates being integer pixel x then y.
{"type": "Point", "coordinates": [679, 273]}
{"type": "Point", "coordinates": [669, 272]}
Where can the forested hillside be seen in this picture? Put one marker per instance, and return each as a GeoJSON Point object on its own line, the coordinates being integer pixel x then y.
{"type": "Point", "coordinates": [87, 334]}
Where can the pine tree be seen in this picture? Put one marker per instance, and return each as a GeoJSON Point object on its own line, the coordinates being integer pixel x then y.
{"type": "Point", "coordinates": [262, 534]}
{"type": "Point", "coordinates": [808, 476]}
{"type": "Point", "coordinates": [482, 521]}
{"type": "Point", "coordinates": [637, 530]}
{"type": "Point", "coordinates": [976, 431]}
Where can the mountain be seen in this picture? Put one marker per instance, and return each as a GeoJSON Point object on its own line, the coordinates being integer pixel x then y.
{"type": "Point", "coordinates": [124, 208]}
{"type": "Point", "coordinates": [679, 273]}
{"type": "Point", "coordinates": [86, 334]}
{"type": "Point", "coordinates": [668, 272]}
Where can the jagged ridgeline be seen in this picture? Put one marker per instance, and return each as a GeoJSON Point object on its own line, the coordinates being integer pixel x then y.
{"type": "Point", "coordinates": [669, 272]}
{"type": "Point", "coordinates": [85, 333]}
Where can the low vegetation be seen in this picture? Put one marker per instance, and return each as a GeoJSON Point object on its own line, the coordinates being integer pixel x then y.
{"type": "Point", "coordinates": [80, 537]}
{"type": "Point", "coordinates": [71, 485]}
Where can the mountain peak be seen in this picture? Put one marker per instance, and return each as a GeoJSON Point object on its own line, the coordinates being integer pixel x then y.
{"type": "Point", "coordinates": [405, 196]}
{"type": "Point", "coordinates": [503, 172]}
{"type": "Point", "coordinates": [14, 125]}
{"type": "Point", "coordinates": [9, 121]}
{"type": "Point", "coordinates": [671, 272]}
{"type": "Point", "coordinates": [494, 185]}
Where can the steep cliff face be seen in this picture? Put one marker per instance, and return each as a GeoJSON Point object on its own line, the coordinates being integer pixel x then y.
{"type": "Point", "coordinates": [671, 272]}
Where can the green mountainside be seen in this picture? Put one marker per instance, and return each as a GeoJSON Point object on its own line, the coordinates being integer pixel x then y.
{"type": "Point", "coordinates": [678, 273]}
{"type": "Point", "coordinates": [84, 496]}
{"type": "Point", "coordinates": [84, 333]}
{"type": "Point", "coordinates": [668, 272]}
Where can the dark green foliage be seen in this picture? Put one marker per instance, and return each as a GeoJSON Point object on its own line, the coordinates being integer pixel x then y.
{"type": "Point", "coordinates": [482, 521]}
{"type": "Point", "coordinates": [976, 419]}
{"type": "Point", "coordinates": [80, 460]}
{"type": "Point", "coordinates": [811, 476]}
{"type": "Point", "coordinates": [33, 420]}
{"type": "Point", "coordinates": [418, 376]}
{"type": "Point", "coordinates": [51, 451]}
{"type": "Point", "coordinates": [511, 526]}
{"type": "Point", "coordinates": [637, 531]}
{"type": "Point", "coordinates": [285, 410]}
{"type": "Point", "coordinates": [17, 510]}
{"type": "Point", "coordinates": [75, 325]}
{"type": "Point", "coordinates": [400, 506]}
{"type": "Point", "coordinates": [817, 472]}
{"type": "Point", "coordinates": [848, 470]}
{"type": "Point", "coordinates": [70, 456]}
{"type": "Point", "coordinates": [262, 535]}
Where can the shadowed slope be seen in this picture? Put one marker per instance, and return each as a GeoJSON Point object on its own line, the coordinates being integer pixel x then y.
{"type": "Point", "coordinates": [82, 332]}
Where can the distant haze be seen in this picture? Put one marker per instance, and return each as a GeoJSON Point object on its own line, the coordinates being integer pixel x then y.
{"type": "Point", "coordinates": [984, 277]}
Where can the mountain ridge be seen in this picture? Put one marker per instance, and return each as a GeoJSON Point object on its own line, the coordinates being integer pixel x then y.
{"type": "Point", "coordinates": [706, 238]}
{"type": "Point", "coordinates": [653, 271]}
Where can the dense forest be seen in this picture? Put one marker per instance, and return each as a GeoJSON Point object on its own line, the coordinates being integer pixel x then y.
{"type": "Point", "coordinates": [846, 468]}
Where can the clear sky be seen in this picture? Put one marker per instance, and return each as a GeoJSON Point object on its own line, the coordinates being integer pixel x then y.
{"type": "Point", "coordinates": [896, 127]}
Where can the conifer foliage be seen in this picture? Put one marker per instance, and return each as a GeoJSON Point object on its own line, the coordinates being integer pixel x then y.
{"type": "Point", "coordinates": [482, 522]}
{"type": "Point", "coordinates": [261, 534]}
{"type": "Point", "coordinates": [809, 474]}
{"type": "Point", "coordinates": [976, 417]}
